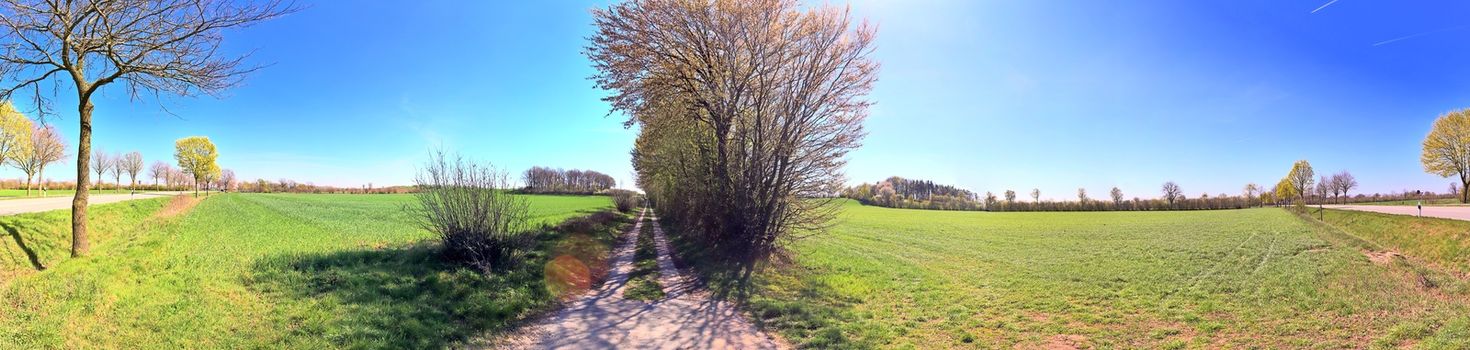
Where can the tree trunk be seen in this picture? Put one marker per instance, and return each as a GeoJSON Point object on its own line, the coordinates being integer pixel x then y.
{"type": "Point", "coordinates": [28, 186]}
{"type": "Point", "coordinates": [1464, 195]}
{"type": "Point", "coordinates": [79, 243]}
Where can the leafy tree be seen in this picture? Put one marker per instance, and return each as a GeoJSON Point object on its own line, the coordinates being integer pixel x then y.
{"type": "Point", "coordinates": [734, 146]}
{"type": "Point", "coordinates": [1285, 190]}
{"type": "Point", "coordinates": [196, 156]}
{"type": "Point", "coordinates": [1447, 149]}
{"type": "Point", "coordinates": [15, 133]}
{"type": "Point", "coordinates": [148, 46]}
{"type": "Point", "coordinates": [45, 147]}
{"type": "Point", "coordinates": [1300, 177]}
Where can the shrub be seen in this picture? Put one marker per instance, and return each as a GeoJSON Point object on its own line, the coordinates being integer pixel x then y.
{"type": "Point", "coordinates": [625, 200]}
{"type": "Point", "coordinates": [478, 222]}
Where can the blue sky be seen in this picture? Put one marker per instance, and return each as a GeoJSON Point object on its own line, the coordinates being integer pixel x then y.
{"type": "Point", "coordinates": [987, 95]}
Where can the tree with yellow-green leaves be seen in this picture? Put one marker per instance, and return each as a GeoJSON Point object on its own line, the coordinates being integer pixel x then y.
{"type": "Point", "coordinates": [1300, 180]}
{"type": "Point", "coordinates": [15, 133]}
{"type": "Point", "coordinates": [1447, 149]}
{"type": "Point", "coordinates": [1284, 190]}
{"type": "Point", "coordinates": [196, 156]}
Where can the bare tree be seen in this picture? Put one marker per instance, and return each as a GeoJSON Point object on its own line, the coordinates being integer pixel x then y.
{"type": "Point", "coordinates": [1117, 197]}
{"type": "Point", "coordinates": [117, 170]}
{"type": "Point", "coordinates": [765, 98]}
{"type": "Point", "coordinates": [132, 163]}
{"type": "Point", "coordinates": [1036, 195]}
{"type": "Point", "coordinates": [158, 171]}
{"type": "Point", "coordinates": [1250, 191]}
{"type": "Point", "coordinates": [101, 164]}
{"type": "Point", "coordinates": [1344, 182]}
{"type": "Point", "coordinates": [226, 180]}
{"type": "Point", "coordinates": [1082, 195]}
{"type": "Point", "coordinates": [1172, 193]}
{"type": "Point", "coordinates": [149, 46]}
{"type": "Point", "coordinates": [1323, 189]}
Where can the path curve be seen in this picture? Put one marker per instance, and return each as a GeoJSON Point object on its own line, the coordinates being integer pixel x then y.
{"type": "Point", "coordinates": [32, 205]}
{"type": "Point", "coordinates": [1456, 213]}
{"type": "Point", "coordinates": [687, 318]}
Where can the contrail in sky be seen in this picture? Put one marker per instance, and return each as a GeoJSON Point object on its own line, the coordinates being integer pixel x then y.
{"type": "Point", "coordinates": [1329, 3]}
{"type": "Point", "coordinates": [1411, 36]}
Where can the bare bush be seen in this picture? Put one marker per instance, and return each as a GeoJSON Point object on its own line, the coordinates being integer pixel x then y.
{"type": "Point", "coordinates": [467, 205]}
{"type": "Point", "coordinates": [624, 200]}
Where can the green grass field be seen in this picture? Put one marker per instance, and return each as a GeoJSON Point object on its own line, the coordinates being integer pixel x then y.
{"type": "Point", "coordinates": [1257, 278]}
{"type": "Point", "coordinates": [258, 271]}
{"type": "Point", "coordinates": [17, 194]}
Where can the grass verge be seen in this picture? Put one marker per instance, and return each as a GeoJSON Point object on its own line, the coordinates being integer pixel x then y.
{"type": "Point", "coordinates": [1443, 243]}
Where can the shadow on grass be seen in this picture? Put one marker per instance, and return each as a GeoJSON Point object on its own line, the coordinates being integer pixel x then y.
{"type": "Point", "coordinates": [783, 296]}
{"type": "Point", "coordinates": [407, 297]}
{"type": "Point", "coordinates": [403, 297]}
{"type": "Point", "coordinates": [21, 243]}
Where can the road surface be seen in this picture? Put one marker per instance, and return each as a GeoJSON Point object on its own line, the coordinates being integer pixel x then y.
{"type": "Point", "coordinates": [687, 318]}
{"type": "Point", "coordinates": [1457, 213]}
{"type": "Point", "coordinates": [31, 205]}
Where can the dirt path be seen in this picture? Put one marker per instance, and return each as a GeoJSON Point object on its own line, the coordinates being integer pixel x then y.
{"type": "Point", "coordinates": [686, 319]}
{"type": "Point", "coordinates": [1457, 213]}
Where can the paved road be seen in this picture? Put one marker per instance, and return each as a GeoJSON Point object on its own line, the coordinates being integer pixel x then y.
{"type": "Point", "coordinates": [31, 205]}
{"type": "Point", "coordinates": [686, 319]}
{"type": "Point", "coordinates": [1457, 213]}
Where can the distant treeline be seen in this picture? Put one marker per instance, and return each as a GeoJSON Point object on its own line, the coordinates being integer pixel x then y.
{"type": "Point", "coordinates": [897, 192]}
{"type": "Point", "coordinates": [554, 180]}
{"type": "Point", "coordinates": [292, 186]}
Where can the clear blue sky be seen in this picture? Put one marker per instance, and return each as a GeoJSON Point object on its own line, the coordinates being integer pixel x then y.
{"type": "Point", "coordinates": [987, 95]}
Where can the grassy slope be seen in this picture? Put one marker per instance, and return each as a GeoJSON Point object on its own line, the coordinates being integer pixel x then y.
{"type": "Point", "coordinates": [1442, 242]}
{"type": "Point", "coordinates": [45, 238]}
{"type": "Point", "coordinates": [1201, 279]}
{"type": "Point", "coordinates": [274, 271]}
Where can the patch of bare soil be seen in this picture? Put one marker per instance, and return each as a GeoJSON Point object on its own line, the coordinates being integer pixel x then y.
{"type": "Point", "coordinates": [1065, 342]}
{"type": "Point", "coordinates": [179, 205]}
{"type": "Point", "coordinates": [1383, 258]}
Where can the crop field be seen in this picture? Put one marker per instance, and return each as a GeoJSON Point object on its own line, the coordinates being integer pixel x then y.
{"type": "Point", "coordinates": [257, 271]}
{"type": "Point", "coordinates": [15, 194]}
{"type": "Point", "coordinates": [894, 278]}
